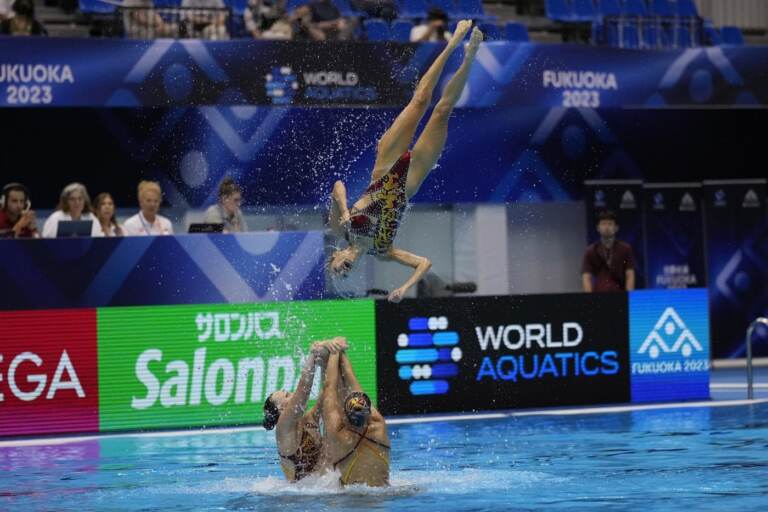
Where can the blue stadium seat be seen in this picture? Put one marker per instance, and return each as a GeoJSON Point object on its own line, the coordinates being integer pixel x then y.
{"type": "Point", "coordinates": [712, 36]}
{"type": "Point", "coordinates": [490, 31]}
{"type": "Point", "coordinates": [630, 36]}
{"type": "Point", "coordinates": [291, 5]}
{"type": "Point", "coordinates": [559, 10]}
{"type": "Point", "coordinates": [166, 3]}
{"type": "Point", "coordinates": [666, 35]}
{"type": "Point", "coordinates": [96, 7]}
{"type": "Point", "coordinates": [598, 32]}
{"type": "Point", "coordinates": [516, 32]}
{"type": "Point", "coordinates": [471, 9]}
{"type": "Point", "coordinates": [449, 7]}
{"type": "Point", "coordinates": [605, 33]}
{"type": "Point", "coordinates": [237, 6]}
{"type": "Point", "coordinates": [412, 9]}
{"type": "Point", "coordinates": [609, 7]}
{"type": "Point", "coordinates": [612, 34]}
{"type": "Point", "coordinates": [635, 8]}
{"type": "Point", "coordinates": [400, 31]}
{"type": "Point", "coordinates": [650, 36]}
{"type": "Point", "coordinates": [663, 8]}
{"type": "Point", "coordinates": [584, 10]}
{"type": "Point", "coordinates": [732, 35]}
{"type": "Point", "coordinates": [376, 30]}
{"type": "Point", "coordinates": [683, 37]}
{"type": "Point", "coordinates": [687, 8]}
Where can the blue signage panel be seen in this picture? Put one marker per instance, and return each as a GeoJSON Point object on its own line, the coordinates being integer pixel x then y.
{"type": "Point", "coordinates": [153, 270]}
{"type": "Point", "coordinates": [41, 72]}
{"type": "Point", "coordinates": [669, 345]}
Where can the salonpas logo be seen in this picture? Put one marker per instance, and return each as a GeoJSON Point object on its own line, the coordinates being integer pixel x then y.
{"type": "Point", "coordinates": [217, 381]}
{"type": "Point", "coordinates": [173, 366]}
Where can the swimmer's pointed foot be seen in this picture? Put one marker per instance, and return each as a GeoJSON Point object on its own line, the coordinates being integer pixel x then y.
{"type": "Point", "coordinates": [474, 43]}
{"type": "Point", "coordinates": [462, 28]}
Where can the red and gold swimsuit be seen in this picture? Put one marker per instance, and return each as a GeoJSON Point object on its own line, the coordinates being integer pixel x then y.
{"type": "Point", "coordinates": [388, 200]}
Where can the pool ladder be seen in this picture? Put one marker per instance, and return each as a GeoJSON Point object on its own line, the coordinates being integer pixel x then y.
{"type": "Point", "coordinates": [750, 331]}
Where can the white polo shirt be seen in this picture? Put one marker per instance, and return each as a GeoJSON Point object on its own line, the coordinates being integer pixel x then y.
{"type": "Point", "coordinates": [138, 225]}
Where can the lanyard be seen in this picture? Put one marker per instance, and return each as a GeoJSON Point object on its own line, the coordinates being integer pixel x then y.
{"type": "Point", "coordinates": [145, 224]}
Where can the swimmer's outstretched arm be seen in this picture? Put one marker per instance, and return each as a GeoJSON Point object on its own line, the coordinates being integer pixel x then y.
{"type": "Point", "coordinates": [339, 212]}
{"type": "Point", "coordinates": [297, 403]}
{"type": "Point", "coordinates": [331, 404]}
{"type": "Point", "coordinates": [348, 374]}
{"type": "Point", "coordinates": [419, 263]}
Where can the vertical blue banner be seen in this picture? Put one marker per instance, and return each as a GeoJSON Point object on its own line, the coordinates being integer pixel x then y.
{"type": "Point", "coordinates": [669, 345]}
{"type": "Point", "coordinates": [737, 256]}
{"type": "Point", "coordinates": [625, 199]}
{"type": "Point", "coordinates": [674, 235]}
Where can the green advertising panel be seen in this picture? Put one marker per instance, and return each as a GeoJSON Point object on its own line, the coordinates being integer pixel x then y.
{"type": "Point", "coordinates": [208, 365]}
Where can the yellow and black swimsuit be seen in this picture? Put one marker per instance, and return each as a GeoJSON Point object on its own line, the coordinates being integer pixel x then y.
{"type": "Point", "coordinates": [380, 220]}
{"type": "Point", "coordinates": [304, 460]}
{"type": "Point", "coordinates": [354, 451]}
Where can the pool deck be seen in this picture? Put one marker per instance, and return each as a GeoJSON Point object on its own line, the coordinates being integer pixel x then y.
{"type": "Point", "coordinates": [731, 383]}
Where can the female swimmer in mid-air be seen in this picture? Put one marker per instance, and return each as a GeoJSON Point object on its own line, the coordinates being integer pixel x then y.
{"type": "Point", "coordinates": [371, 224]}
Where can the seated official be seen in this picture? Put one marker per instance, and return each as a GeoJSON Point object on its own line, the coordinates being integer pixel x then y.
{"type": "Point", "coordinates": [74, 204]}
{"type": "Point", "coordinates": [104, 208]}
{"type": "Point", "coordinates": [227, 210]}
{"type": "Point", "coordinates": [148, 221]}
{"type": "Point", "coordinates": [17, 220]}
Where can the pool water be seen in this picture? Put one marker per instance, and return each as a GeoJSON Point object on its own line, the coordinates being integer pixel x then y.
{"type": "Point", "coordinates": [672, 459]}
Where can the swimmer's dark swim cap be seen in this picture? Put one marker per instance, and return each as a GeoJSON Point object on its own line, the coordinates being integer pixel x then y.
{"type": "Point", "coordinates": [357, 408]}
{"type": "Point", "coordinates": [271, 414]}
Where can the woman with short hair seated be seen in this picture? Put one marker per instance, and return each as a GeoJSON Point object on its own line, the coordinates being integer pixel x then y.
{"type": "Point", "coordinates": [148, 221]}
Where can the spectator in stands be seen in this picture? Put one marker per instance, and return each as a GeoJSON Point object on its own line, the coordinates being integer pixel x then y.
{"type": "Point", "coordinates": [609, 264]}
{"type": "Point", "coordinates": [382, 9]}
{"type": "Point", "coordinates": [74, 204]}
{"type": "Point", "coordinates": [104, 206]}
{"type": "Point", "coordinates": [267, 19]}
{"type": "Point", "coordinates": [209, 22]}
{"type": "Point", "coordinates": [23, 22]}
{"type": "Point", "coordinates": [434, 29]}
{"type": "Point", "coordinates": [142, 21]}
{"type": "Point", "coordinates": [227, 210]}
{"type": "Point", "coordinates": [148, 221]}
{"type": "Point", "coordinates": [320, 20]}
{"type": "Point", "coordinates": [17, 220]}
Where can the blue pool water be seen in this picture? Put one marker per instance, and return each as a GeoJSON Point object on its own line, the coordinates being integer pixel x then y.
{"type": "Point", "coordinates": [673, 459]}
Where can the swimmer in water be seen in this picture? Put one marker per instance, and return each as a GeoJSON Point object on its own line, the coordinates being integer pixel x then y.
{"type": "Point", "coordinates": [299, 440]}
{"type": "Point", "coordinates": [370, 226]}
{"type": "Point", "coordinates": [356, 441]}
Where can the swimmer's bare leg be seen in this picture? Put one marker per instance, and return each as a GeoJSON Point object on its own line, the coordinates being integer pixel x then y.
{"type": "Point", "coordinates": [427, 150]}
{"type": "Point", "coordinates": [399, 136]}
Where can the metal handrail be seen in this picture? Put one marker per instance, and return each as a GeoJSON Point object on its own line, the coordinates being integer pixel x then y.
{"type": "Point", "coordinates": [750, 331]}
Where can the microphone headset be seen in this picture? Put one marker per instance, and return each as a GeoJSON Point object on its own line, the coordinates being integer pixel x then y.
{"type": "Point", "coordinates": [10, 187]}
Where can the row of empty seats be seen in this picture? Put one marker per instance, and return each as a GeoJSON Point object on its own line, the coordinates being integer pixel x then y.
{"type": "Point", "coordinates": [400, 31]}
{"type": "Point", "coordinates": [592, 10]}
{"type": "Point", "coordinates": [629, 34]}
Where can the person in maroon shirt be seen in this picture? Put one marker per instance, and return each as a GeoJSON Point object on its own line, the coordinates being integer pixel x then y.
{"type": "Point", "coordinates": [16, 218]}
{"type": "Point", "coordinates": [609, 264]}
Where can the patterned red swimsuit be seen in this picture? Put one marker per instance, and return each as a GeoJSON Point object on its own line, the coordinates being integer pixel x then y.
{"type": "Point", "coordinates": [381, 218]}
